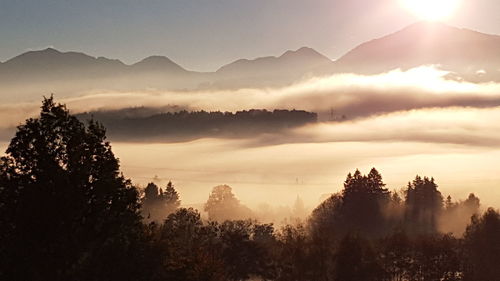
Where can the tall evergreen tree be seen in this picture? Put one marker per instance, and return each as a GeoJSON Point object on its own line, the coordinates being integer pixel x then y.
{"type": "Point", "coordinates": [171, 198]}
{"type": "Point", "coordinates": [66, 212]}
{"type": "Point", "coordinates": [364, 200]}
{"type": "Point", "coordinates": [424, 204]}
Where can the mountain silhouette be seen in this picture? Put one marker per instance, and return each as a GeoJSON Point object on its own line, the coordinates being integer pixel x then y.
{"type": "Point", "coordinates": [71, 73]}
{"type": "Point", "coordinates": [158, 64]}
{"type": "Point", "coordinates": [466, 54]}
{"type": "Point", "coordinates": [470, 54]}
{"type": "Point", "coordinates": [51, 62]}
{"type": "Point", "coordinates": [305, 58]}
{"type": "Point", "coordinates": [270, 71]}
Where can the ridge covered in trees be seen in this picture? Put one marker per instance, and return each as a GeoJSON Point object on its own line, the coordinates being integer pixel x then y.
{"type": "Point", "coordinates": [67, 213]}
{"type": "Point", "coordinates": [124, 124]}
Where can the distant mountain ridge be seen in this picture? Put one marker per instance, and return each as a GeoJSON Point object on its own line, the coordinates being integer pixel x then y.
{"type": "Point", "coordinates": [473, 55]}
{"type": "Point", "coordinates": [467, 54]}
{"type": "Point", "coordinates": [52, 60]}
{"type": "Point", "coordinates": [270, 71]}
{"type": "Point", "coordinates": [305, 57]}
{"type": "Point", "coordinates": [50, 70]}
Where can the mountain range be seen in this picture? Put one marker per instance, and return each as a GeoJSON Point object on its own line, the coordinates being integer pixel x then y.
{"type": "Point", "coordinates": [468, 54]}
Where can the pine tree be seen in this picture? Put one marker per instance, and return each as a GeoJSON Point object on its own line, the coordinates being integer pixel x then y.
{"type": "Point", "coordinates": [171, 198]}
{"type": "Point", "coordinates": [424, 204]}
{"type": "Point", "coordinates": [158, 204]}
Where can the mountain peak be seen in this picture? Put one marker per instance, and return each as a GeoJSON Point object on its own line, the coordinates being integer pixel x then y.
{"type": "Point", "coordinates": [47, 52]}
{"type": "Point", "coordinates": [157, 63]}
{"type": "Point", "coordinates": [292, 63]}
{"type": "Point", "coordinates": [425, 43]}
{"type": "Point", "coordinates": [50, 50]}
{"type": "Point", "coordinates": [302, 52]}
{"type": "Point", "coordinates": [155, 60]}
{"type": "Point", "coordinates": [55, 61]}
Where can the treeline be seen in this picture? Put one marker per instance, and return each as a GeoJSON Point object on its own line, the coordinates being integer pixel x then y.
{"type": "Point", "coordinates": [193, 124]}
{"type": "Point", "coordinates": [365, 232]}
{"type": "Point", "coordinates": [67, 213]}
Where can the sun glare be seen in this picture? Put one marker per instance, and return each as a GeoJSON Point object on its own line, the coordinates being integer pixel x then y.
{"type": "Point", "coordinates": [432, 10]}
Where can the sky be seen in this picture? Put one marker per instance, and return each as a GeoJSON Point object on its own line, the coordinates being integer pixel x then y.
{"type": "Point", "coordinates": [206, 34]}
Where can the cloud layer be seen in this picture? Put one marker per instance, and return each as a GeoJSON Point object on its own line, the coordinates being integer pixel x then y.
{"type": "Point", "coordinates": [403, 123]}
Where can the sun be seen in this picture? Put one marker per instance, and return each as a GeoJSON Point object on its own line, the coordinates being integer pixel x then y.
{"type": "Point", "coordinates": [432, 10]}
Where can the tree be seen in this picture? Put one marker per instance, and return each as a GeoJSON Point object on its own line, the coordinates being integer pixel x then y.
{"type": "Point", "coordinates": [151, 202]}
{"type": "Point", "coordinates": [360, 207]}
{"type": "Point", "coordinates": [158, 204]}
{"type": "Point", "coordinates": [223, 205]}
{"type": "Point", "coordinates": [171, 198]}
{"type": "Point", "coordinates": [482, 247]}
{"type": "Point", "coordinates": [240, 253]}
{"type": "Point", "coordinates": [364, 200]}
{"type": "Point", "coordinates": [293, 254]}
{"type": "Point", "coordinates": [356, 260]}
{"type": "Point", "coordinates": [232, 250]}
{"type": "Point", "coordinates": [323, 226]}
{"type": "Point", "coordinates": [181, 241]}
{"type": "Point", "coordinates": [397, 256]}
{"type": "Point", "coordinates": [456, 215]}
{"type": "Point", "coordinates": [435, 257]}
{"type": "Point", "coordinates": [66, 212]}
{"type": "Point", "coordinates": [265, 240]}
{"type": "Point", "coordinates": [424, 204]}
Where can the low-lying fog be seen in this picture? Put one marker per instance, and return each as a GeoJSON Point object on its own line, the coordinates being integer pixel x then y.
{"type": "Point", "coordinates": [402, 123]}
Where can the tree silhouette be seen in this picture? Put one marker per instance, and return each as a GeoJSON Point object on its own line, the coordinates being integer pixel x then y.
{"type": "Point", "coordinates": [456, 215]}
{"type": "Point", "coordinates": [360, 207]}
{"type": "Point", "coordinates": [435, 257]}
{"type": "Point", "coordinates": [125, 123]}
{"type": "Point", "coordinates": [364, 198]}
{"type": "Point", "coordinates": [181, 241]}
{"type": "Point", "coordinates": [66, 212]}
{"type": "Point", "coordinates": [355, 260]}
{"type": "Point", "coordinates": [151, 202]}
{"type": "Point", "coordinates": [223, 205]}
{"type": "Point", "coordinates": [293, 255]}
{"type": "Point", "coordinates": [482, 247]}
{"type": "Point", "coordinates": [424, 203]}
{"type": "Point", "coordinates": [397, 257]}
{"type": "Point", "coordinates": [171, 198]}
{"type": "Point", "coordinates": [240, 253]}
{"type": "Point", "coordinates": [158, 204]}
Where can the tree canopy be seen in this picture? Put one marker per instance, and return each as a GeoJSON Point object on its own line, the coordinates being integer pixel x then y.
{"type": "Point", "coordinates": [61, 189]}
{"type": "Point", "coordinates": [223, 205]}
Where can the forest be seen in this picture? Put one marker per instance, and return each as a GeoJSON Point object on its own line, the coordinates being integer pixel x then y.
{"type": "Point", "coordinates": [68, 213]}
{"type": "Point", "coordinates": [145, 123]}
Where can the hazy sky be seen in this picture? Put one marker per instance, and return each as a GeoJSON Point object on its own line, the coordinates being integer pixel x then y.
{"type": "Point", "coordinates": [205, 34]}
